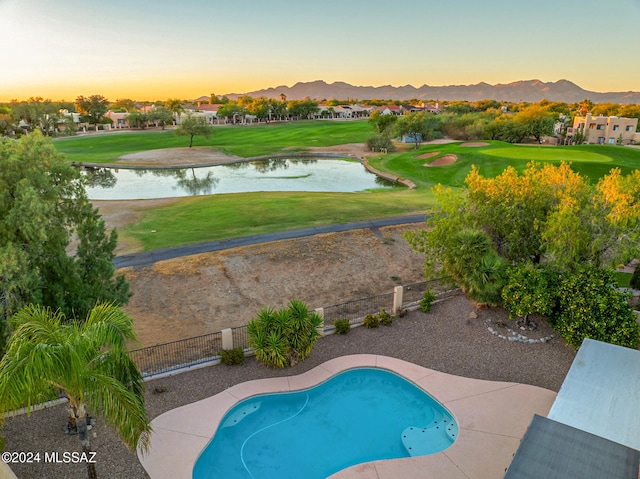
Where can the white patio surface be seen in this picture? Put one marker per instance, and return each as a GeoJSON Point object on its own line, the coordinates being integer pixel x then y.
{"type": "Point", "coordinates": [492, 419]}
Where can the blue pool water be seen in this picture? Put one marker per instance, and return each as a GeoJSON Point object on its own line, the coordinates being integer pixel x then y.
{"type": "Point", "coordinates": [360, 415]}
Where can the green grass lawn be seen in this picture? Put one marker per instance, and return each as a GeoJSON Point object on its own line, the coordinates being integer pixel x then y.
{"type": "Point", "coordinates": [245, 141]}
{"type": "Point", "coordinates": [197, 219]}
{"type": "Point", "coordinates": [206, 218]}
{"type": "Point", "coordinates": [593, 161]}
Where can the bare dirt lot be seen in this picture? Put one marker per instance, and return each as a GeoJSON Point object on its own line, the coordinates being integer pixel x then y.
{"type": "Point", "coordinates": [204, 293]}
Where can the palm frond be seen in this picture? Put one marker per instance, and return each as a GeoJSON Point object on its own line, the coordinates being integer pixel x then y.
{"type": "Point", "coordinates": [88, 361]}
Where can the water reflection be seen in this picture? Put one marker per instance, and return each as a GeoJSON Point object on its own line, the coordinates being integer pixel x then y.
{"type": "Point", "coordinates": [99, 177]}
{"type": "Point", "coordinates": [281, 174]}
{"type": "Point", "coordinates": [197, 186]}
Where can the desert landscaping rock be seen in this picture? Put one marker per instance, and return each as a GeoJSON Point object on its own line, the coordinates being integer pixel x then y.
{"type": "Point", "coordinates": [445, 339]}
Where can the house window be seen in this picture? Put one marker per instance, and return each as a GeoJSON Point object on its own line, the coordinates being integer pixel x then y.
{"type": "Point", "coordinates": [592, 126]}
{"type": "Point", "coordinates": [600, 140]}
{"type": "Point", "coordinates": [629, 127]}
{"type": "Point", "coordinates": [612, 141]}
{"type": "Point", "coordinates": [600, 127]}
{"type": "Point", "coordinates": [616, 127]}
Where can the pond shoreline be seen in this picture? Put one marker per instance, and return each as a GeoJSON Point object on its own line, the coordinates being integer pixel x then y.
{"type": "Point", "coordinates": [313, 172]}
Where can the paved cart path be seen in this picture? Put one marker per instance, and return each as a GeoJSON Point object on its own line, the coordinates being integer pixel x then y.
{"type": "Point", "coordinates": [149, 257]}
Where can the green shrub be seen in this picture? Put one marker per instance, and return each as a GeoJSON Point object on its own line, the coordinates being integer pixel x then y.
{"type": "Point", "coordinates": [343, 326]}
{"type": "Point", "coordinates": [371, 321]}
{"type": "Point", "coordinates": [285, 336]}
{"type": "Point", "coordinates": [380, 142]}
{"type": "Point", "coordinates": [232, 357]}
{"type": "Point", "coordinates": [588, 306]}
{"type": "Point", "coordinates": [427, 299]}
{"type": "Point", "coordinates": [634, 282]}
{"type": "Point", "coordinates": [529, 289]}
{"type": "Point", "coordinates": [385, 318]}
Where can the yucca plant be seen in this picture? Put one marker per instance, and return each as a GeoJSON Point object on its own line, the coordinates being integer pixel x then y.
{"type": "Point", "coordinates": [285, 336]}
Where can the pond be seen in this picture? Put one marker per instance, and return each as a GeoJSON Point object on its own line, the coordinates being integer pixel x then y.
{"type": "Point", "coordinates": [283, 174]}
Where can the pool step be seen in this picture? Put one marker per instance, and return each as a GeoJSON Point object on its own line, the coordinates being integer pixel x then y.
{"type": "Point", "coordinates": [235, 418]}
{"type": "Point", "coordinates": [430, 439]}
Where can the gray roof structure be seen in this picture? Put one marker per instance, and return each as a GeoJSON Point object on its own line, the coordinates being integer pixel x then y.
{"type": "Point", "coordinates": [593, 428]}
{"type": "Point", "coordinates": [601, 393]}
{"type": "Point", "coordinates": [552, 450]}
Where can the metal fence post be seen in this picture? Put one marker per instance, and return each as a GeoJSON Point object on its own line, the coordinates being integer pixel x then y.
{"type": "Point", "coordinates": [397, 299]}
{"type": "Point", "coordinates": [227, 338]}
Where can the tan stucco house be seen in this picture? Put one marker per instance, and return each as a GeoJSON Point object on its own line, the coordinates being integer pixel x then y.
{"type": "Point", "coordinates": [604, 129]}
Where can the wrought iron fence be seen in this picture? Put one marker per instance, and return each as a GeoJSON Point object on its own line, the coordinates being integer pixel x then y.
{"type": "Point", "coordinates": [200, 349]}
{"type": "Point", "coordinates": [177, 354]}
{"type": "Point", "coordinates": [240, 337]}
{"type": "Point", "coordinates": [358, 309]}
{"type": "Point", "coordinates": [413, 293]}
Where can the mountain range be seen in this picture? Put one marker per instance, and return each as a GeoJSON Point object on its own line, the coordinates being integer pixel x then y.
{"type": "Point", "coordinates": [525, 90]}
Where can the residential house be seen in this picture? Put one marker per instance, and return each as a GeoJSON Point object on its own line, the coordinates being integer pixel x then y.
{"type": "Point", "coordinates": [343, 111]}
{"type": "Point", "coordinates": [600, 130]}
{"type": "Point", "coordinates": [424, 108]}
{"type": "Point", "coordinates": [119, 119]}
{"type": "Point", "coordinates": [204, 110]}
{"type": "Point", "coordinates": [396, 110]}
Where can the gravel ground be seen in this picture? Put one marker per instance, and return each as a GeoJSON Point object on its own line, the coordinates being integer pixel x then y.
{"type": "Point", "coordinates": [446, 339]}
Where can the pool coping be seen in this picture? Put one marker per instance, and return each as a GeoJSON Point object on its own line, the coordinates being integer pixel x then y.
{"type": "Point", "coordinates": [492, 418]}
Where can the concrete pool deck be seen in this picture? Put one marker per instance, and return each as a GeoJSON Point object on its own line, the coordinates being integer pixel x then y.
{"type": "Point", "coordinates": [492, 418]}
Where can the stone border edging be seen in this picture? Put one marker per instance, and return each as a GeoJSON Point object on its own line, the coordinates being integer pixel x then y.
{"type": "Point", "coordinates": [515, 336]}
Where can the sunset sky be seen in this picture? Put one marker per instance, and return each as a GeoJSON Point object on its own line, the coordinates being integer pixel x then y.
{"type": "Point", "coordinates": [159, 49]}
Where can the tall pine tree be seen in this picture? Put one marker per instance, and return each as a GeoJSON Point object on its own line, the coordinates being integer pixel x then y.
{"type": "Point", "coordinates": [54, 247]}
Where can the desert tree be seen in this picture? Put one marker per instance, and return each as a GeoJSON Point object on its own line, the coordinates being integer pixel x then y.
{"type": "Point", "coordinates": [193, 126]}
{"type": "Point", "coordinates": [92, 108]}
{"type": "Point", "coordinates": [44, 210]}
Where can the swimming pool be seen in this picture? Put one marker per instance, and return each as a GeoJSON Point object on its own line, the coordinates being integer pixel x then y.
{"type": "Point", "coordinates": [357, 416]}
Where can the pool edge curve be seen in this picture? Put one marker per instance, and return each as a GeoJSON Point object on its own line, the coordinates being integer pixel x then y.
{"type": "Point", "coordinates": [492, 418]}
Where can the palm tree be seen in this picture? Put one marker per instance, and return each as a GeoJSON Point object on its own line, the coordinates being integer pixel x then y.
{"type": "Point", "coordinates": [175, 106]}
{"type": "Point", "coordinates": [88, 362]}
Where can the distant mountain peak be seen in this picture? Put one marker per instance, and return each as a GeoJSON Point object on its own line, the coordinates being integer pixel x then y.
{"type": "Point", "coordinates": [521, 90]}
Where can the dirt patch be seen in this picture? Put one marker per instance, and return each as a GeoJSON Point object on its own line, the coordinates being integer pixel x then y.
{"type": "Point", "coordinates": [204, 293]}
{"type": "Point", "coordinates": [178, 157]}
{"type": "Point", "coordinates": [354, 150]}
{"type": "Point", "coordinates": [443, 160]}
{"type": "Point", "coordinates": [428, 155]}
{"type": "Point", "coordinates": [475, 143]}
{"type": "Point", "coordinates": [203, 155]}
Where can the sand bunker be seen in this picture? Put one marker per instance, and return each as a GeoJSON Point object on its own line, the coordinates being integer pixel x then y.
{"type": "Point", "coordinates": [475, 143]}
{"type": "Point", "coordinates": [178, 157]}
{"type": "Point", "coordinates": [443, 160]}
{"type": "Point", "coordinates": [428, 155]}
